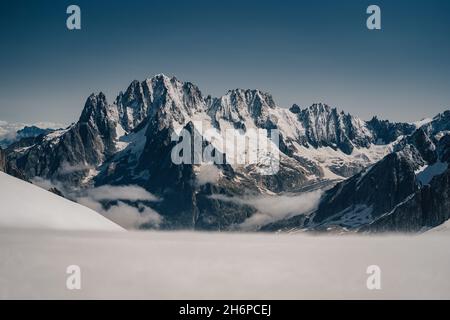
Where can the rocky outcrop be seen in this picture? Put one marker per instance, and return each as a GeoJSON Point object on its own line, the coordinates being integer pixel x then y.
{"type": "Point", "coordinates": [385, 131]}
{"type": "Point", "coordinates": [367, 195]}
{"type": "Point", "coordinates": [2, 160]}
{"type": "Point", "coordinates": [423, 210]}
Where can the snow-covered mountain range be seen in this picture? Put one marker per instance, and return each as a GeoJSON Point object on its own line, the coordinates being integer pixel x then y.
{"type": "Point", "coordinates": [367, 172]}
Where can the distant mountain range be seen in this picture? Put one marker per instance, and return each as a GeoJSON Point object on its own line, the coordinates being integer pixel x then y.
{"type": "Point", "coordinates": [372, 176]}
{"type": "Point", "coordinates": [12, 132]}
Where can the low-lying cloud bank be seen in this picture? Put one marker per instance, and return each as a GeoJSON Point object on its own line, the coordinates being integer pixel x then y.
{"type": "Point", "coordinates": [130, 192]}
{"type": "Point", "coordinates": [67, 168]}
{"type": "Point", "coordinates": [273, 208]}
{"type": "Point", "coordinates": [125, 215]}
{"type": "Point", "coordinates": [269, 208]}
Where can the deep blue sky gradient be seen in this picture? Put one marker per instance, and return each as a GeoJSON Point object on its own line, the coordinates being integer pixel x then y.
{"type": "Point", "coordinates": [300, 51]}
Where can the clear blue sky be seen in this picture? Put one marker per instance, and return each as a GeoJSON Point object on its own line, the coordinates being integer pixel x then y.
{"type": "Point", "coordinates": [300, 51]}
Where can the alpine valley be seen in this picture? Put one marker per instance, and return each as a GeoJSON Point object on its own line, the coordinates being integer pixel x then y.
{"type": "Point", "coordinates": [337, 173]}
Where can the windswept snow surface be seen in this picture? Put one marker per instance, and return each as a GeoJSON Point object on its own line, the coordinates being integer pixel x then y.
{"type": "Point", "coordinates": [24, 205]}
{"type": "Point", "coordinates": [188, 265]}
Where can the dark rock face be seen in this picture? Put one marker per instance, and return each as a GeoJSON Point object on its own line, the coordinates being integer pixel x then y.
{"type": "Point", "coordinates": [443, 149]}
{"type": "Point", "coordinates": [386, 131]}
{"type": "Point", "coordinates": [426, 208]}
{"type": "Point", "coordinates": [422, 142]}
{"type": "Point", "coordinates": [380, 187]}
{"type": "Point", "coordinates": [8, 168]}
{"type": "Point", "coordinates": [2, 160]}
{"type": "Point", "coordinates": [295, 109]}
{"type": "Point", "coordinates": [424, 145]}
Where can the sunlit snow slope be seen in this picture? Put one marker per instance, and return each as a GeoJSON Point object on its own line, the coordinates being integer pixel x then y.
{"type": "Point", "coordinates": [23, 205]}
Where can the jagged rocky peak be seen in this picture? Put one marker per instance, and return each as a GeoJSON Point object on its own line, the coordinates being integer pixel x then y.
{"type": "Point", "coordinates": [185, 96]}
{"type": "Point", "coordinates": [132, 105]}
{"type": "Point", "coordinates": [385, 131]}
{"type": "Point", "coordinates": [295, 108]}
{"type": "Point", "coordinates": [326, 126]}
{"type": "Point", "coordinates": [162, 98]}
{"type": "Point", "coordinates": [424, 145]}
{"type": "Point", "coordinates": [320, 108]}
{"type": "Point", "coordinates": [239, 105]}
{"type": "Point", "coordinates": [443, 148]}
{"type": "Point", "coordinates": [254, 100]}
{"type": "Point", "coordinates": [323, 114]}
{"type": "Point", "coordinates": [98, 114]}
{"type": "Point", "coordinates": [95, 107]}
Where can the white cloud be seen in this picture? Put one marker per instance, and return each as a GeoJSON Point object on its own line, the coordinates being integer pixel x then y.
{"type": "Point", "coordinates": [8, 130]}
{"type": "Point", "coordinates": [125, 215]}
{"type": "Point", "coordinates": [131, 192]}
{"type": "Point", "coordinates": [130, 217]}
{"type": "Point", "coordinates": [67, 168]}
{"type": "Point", "coordinates": [273, 208]}
{"type": "Point", "coordinates": [208, 174]}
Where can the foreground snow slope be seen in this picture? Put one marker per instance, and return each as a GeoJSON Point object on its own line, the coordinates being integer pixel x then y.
{"type": "Point", "coordinates": [443, 228]}
{"type": "Point", "coordinates": [172, 265]}
{"type": "Point", "coordinates": [24, 205]}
